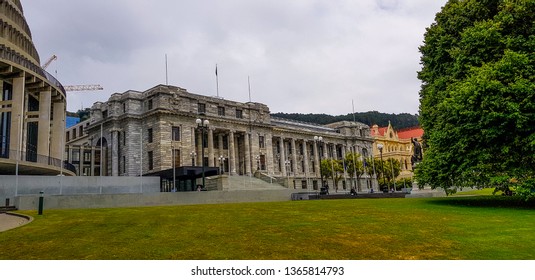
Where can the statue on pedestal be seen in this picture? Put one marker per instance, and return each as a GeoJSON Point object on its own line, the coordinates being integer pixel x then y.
{"type": "Point", "coordinates": [417, 152]}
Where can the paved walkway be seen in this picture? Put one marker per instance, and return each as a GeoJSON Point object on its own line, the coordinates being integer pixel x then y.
{"type": "Point", "coordinates": [9, 221]}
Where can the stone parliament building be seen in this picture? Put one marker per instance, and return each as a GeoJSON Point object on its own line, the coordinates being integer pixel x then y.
{"type": "Point", "coordinates": [155, 132]}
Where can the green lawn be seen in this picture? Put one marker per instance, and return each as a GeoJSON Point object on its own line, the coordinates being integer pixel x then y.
{"type": "Point", "coordinates": [439, 228]}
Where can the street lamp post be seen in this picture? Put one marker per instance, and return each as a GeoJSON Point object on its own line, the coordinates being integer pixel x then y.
{"type": "Point", "coordinates": [319, 142]}
{"type": "Point", "coordinates": [287, 164]}
{"type": "Point", "coordinates": [221, 166]}
{"type": "Point", "coordinates": [202, 124]}
{"type": "Point", "coordinates": [174, 167]}
{"type": "Point", "coordinates": [193, 155]}
{"type": "Point", "coordinates": [380, 147]}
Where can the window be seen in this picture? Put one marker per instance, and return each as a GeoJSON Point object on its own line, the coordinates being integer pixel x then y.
{"type": "Point", "coordinates": [76, 155]}
{"type": "Point", "coordinates": [67, 137]}
{"type": "Point", "coordinates": [239, 114]}
{"type": "Point", "coordinates": [149, 135]}
{"type": "Point", "coordinates": [149, 104]}
{"type": "Point", "coordinates": [81, 130]}
{"type": "Point", "coordinates": [87, 156]}
{"type": "Point", "coordinates": [150, 157]}
{"type": "Point", "coordinates": [176, 133]}
{"type": "Point", "coordinates": [201, 109]}
{"type": "Point", "coordinates": [221, 111]}
{"type": "Point", "coordinates": [124, 108]}
{"type": "Point", "coordinates": [176, 157]}
{"type": "Point", "coordinates": [104, 114]}
{"type": "Point", "coordinates": [74, 134]}
{"type": "Point", "coordinates": [225, 142]}
{"type": "Point", "coordinates": [261, 142]}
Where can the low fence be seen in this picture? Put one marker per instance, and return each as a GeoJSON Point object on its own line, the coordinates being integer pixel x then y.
{"type": "Point", "coordinates": [15, 186]}
{"type": "Point", "coordinates": [151, 199]}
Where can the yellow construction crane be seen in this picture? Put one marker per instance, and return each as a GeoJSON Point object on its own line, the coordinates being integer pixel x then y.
{"type": "Point", "coordinates": [83, 87]}
{"type": "Point", "coordinates": [75, 87]}
{"type": "Point", "coordinates": [52, 58]}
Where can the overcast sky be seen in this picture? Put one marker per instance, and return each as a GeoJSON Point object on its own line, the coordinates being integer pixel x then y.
{"type": "Point", "coordinates": [302, 56]}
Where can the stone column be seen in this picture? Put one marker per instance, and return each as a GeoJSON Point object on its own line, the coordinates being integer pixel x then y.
{"type": "Point", "coordinates": [283, 157]}
{"type": "Point", "coordinates": [58, 130]}
{"type": "Point", "coordinates": [294, 156]}
{"type": "Point", "coordinates": [43, 134]}
{"type": "Point", "coordinates": [92, 171]}
{"type": "Point", "coordinates": [232, 153]}
{"type": "Point", "coordinates": [114, 153]}
{"type": "Point", "coordinates": [220, 144]}
{"type": "Point", "coordinates": [246, 137]}
{"type": "Point", "coordinates": [17, 118]}
{"type": "Point", "coordinates": [305, 157]}
{"type": "Point", "coordinates": [210, 147]}
{"type": "Point", "coordinates": [80, 154]}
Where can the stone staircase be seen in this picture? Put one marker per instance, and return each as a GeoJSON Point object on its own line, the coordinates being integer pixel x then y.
{"type": "Point", "coordinates": [239, 183]}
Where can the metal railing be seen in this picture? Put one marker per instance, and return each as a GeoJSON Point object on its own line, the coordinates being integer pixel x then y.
{"type": "Point", "coordinates": [11, 55]}
{"type": "Point", "coordinates": [31, 156]}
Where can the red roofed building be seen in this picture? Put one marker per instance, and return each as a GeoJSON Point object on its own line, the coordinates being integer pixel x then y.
{"type": "Point", "coordinates": [396, 145]}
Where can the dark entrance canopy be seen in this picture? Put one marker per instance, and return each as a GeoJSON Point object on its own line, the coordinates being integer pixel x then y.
{"type": "Point", "coordinates": [185, 177]}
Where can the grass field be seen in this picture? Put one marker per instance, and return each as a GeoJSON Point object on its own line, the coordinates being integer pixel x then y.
{"type": "Point", "coordinates": [440, 228]}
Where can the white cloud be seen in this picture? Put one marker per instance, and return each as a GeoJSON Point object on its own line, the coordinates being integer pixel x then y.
{"type": "Point", "coordinates": [301, 55]}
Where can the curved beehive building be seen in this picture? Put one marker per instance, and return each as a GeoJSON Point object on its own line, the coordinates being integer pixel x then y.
{"type": "Point", "coordinates": [32, 102]}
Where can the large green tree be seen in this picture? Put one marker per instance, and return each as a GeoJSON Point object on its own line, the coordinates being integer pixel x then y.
{"type": "Point", "coordinates": [477, 100]}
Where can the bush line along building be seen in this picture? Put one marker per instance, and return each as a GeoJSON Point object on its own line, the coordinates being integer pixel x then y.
{"type": "Point", "coordinates": [153, 131]}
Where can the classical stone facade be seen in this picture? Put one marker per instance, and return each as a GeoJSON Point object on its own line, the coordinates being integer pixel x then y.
{"type": "Point", "coordinates": [156, 130]}
{"type": "Point", "coordinates": [32, 102]}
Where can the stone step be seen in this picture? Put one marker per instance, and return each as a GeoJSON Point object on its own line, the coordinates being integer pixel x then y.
{"type": "Point", "coordinates": [236, 182]}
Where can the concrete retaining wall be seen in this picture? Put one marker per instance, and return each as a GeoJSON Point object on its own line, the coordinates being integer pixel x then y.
{"type": "Point", "coordinates": [150, 199]}
{"type": "Point", "coordinates": [63, 185]}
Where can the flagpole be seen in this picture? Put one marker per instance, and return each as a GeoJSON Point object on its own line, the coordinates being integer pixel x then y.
{"type": "Point", "coordinates": [166, 76]}
{"type": "Point", "coordinates": [249, 84]}
{"type": "Point", "coordinates": [216, 81]}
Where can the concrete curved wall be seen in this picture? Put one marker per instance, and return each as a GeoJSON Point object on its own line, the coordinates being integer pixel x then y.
{"type": "Point", "coordinates": [32, 102]}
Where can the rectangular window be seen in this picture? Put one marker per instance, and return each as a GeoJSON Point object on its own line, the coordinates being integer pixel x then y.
{"type": "Point", "coordinates": [176, 156]}
{"type": "Point", "coordinates": [225, 142]}
{"type": "Point", "coordinates": [149, 104]}
{"type": "Point", "coordinates": [76, 156]}
{"type": "Point", "coordinates": [201, 108]}
{"type": "Point", "coordinates": [149, 135]}
{"type": "Point", "coordinates": [221, 111]}
{"type": "Point", "coordinates": [124, 165]}
{"type": "Point", "coordinates": [74, 134]}
{"type": "Point", "coordinates": [261, 142]}
{"type": "Point", "coordinates": [87, 156]}
{"type": "Point", "coordinates": [81, 130]}
{"type": "Point", "coordinates": [176, 133]}
{"type": "Point", "coordinates": [67, 137]}
{"type": "Point", "coordinates": [104, 114]}
{"type": "Point", "coordinates": [239, 114]}
{"type": "Point", "coordinates": [150, 157]}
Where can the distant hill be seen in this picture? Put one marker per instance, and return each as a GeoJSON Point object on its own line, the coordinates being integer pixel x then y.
{"type": "Point", "coordinates": [398, 121]}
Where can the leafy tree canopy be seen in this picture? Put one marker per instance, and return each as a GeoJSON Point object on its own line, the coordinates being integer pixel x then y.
{"type": "Point", "coordinates": [477, 101]}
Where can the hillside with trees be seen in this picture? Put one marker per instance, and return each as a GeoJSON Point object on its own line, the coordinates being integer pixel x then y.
{"type": "Point", "coordinates": [398, 121]}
